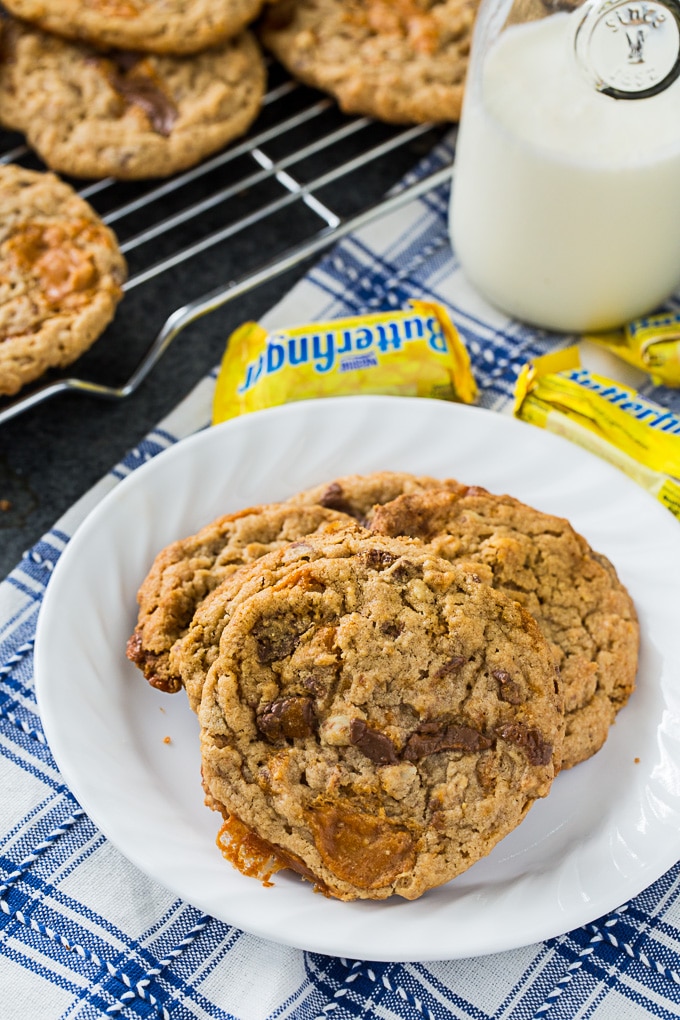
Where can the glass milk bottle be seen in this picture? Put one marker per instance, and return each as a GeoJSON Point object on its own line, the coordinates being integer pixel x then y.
{"type": "Point", "coordinates": [565, 206]}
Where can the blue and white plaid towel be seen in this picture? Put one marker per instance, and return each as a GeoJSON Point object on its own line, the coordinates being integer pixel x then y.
{"type": "Point", "coordinates": [84, 935]}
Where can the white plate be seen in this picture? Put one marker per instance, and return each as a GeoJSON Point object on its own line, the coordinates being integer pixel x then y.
{"type": "Point", "coordinates": [609, 827]}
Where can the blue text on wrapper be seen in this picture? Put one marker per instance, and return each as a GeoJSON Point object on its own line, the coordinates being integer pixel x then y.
{"type": "Point", "coordinates": [654, 415]}
{"type": "Point", "coordinates": [324, 349]}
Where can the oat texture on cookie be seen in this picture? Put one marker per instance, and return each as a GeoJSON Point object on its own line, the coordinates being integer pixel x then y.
{"type": "Point", "coordinates": [573, 592]}
{"type": "Point", "coordinates": [378, 716]}
{"type": "Point", "coordinates": [400, 62]}
{"type": "Point", "coordinates": [153, 26]}
{"type": "Point", "coordinates": [124, 114]}
{"type": "Point", "coordinates": [61, 275]}
{"type": "Point", "coordinates": [184, 573]}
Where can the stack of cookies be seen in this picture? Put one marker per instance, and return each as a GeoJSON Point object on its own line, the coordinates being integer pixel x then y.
{"type": "Point", "coordinates": [141, 88]}
{"type": "Point", "coordinates": [130, 89]}
{"type": "Point", "coordinates": [135, 89]}
{"type": "Point", "coordinates": [388, 671]}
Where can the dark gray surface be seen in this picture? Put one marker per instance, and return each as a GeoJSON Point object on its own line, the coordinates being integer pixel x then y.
{"type": "Point", "coordinates": [52, 454]}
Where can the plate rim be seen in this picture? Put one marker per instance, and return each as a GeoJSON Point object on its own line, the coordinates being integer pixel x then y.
{"type": "Point", "coordinates": [182, 449]}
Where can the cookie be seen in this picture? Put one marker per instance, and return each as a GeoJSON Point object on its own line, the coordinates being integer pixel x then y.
{"type": "Point", "coordinates": [123, 114]}
{"type": "Point", "coordinates": [357, 495]}
{"type": "Point", "coordinates": [401, 62]}
{"type": "Point", "coordinates": [351, 497]}
{"type": "Point", "coordinates": [574, 593]}
{"type": "Point", "coordinates": [377, 716]}
{"type": "Point", "coordinates": [61, 275]}
{"type": "Point", "coordinates": [151, 26]}
{"type": "Point", "coordinates": [11, 116]}
{"type": "Point", "coordinates": [185, 572]}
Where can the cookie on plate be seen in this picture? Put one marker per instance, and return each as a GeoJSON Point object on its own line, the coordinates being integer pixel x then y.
{"type": "Point", "coordinates": [401, 62]}
{"type": "Point", "coordinates": [345, 500]}
{"type": "Point", "coordinates": [357, 495]}
{"type": "Point", "coordinates": [574, 593]}
{"type": "Point", "coordinates": [185, 572]}
{"type": "Point", "coordinates": [61, 275]}
{"type": "Point", "coordinates": [127, 115]}
{"type": "Point", "coordinates": [377, 716]}
{"type": "Point", "coordinates": [152, 26]}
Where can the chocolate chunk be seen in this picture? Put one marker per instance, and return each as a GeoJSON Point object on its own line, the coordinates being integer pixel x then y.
{"type": "Point", "coordinates": [532, 742]}
{"type": "Point", "coordinates": [151, 666]}
{"type": "Point", "coordinates": [373, 744]}
{"type": "Point", "coordinates": [315, 685]}
{"type": "Point", "coordinates": [452, 666]}
{"type": "Point", "coordinates": [276, 638]}
{"type": "Point", "coordinates": [390, 629]}
{"type": "Point", "coordinates": [334, 499]}
{"type": "Point", "coordinates": [406, 571]}
{"type": "Point", "coordinates": [290, 717]}
{"type": "Point", "coordinates": [437, 736]}
{"type": "Point", "coordinates": [134, 649]}
{"type": "Point", "coordinates": [508, 689]}
{"type": "Point", "coordinates": [137, 88]}
{"type": "Point", "coordinates": [379, 559]}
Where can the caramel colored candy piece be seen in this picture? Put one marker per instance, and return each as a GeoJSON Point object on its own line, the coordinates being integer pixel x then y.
{"type": "Point", "coordinates": [366, 850]}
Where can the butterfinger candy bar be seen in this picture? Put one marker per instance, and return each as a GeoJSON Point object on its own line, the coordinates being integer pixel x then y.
{"type": "Point", "coordinates": [607, 418]}
{"type": "Point", "coordinates": [416, 352]}
{"type": "Point", "coordinates": [651, 343]}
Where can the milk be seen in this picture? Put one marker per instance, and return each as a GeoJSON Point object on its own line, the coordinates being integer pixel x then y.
{"type": "Point", "coordinates": [565, 207]}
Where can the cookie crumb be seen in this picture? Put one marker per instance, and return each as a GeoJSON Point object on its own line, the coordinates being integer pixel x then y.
{"type": "Point", "coordinates": [5, 505]}
{"type": "Point", "coordinates": [167, 740]}
{"type": "Point", "coordinates": [636, 760]}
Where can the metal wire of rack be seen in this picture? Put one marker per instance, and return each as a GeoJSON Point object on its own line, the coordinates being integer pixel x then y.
{"type": "Point", "coordinates": [300, 149]}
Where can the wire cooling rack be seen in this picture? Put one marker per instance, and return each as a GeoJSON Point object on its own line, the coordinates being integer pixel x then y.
{"type": "Point", "coordinates": [302, 155]}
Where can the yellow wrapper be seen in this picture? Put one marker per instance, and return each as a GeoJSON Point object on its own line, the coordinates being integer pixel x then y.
{"type": "Point", "coordinates": [416, 352]}
{"type": "Point", "coordinates": [610, 419]}
{"type": "Point", "coordinates": [651, 343]}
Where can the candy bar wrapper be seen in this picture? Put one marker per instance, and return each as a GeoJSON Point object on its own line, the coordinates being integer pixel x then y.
{"type": "Point", "coordinates": [415, 352]}
{"type": "Point", "coordinates": [607, 418]}
{"type": "Point", "coordinates": [651, 343]}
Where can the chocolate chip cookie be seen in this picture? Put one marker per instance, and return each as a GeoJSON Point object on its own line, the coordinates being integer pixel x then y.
{"type": "Point", "coordinates": [574, 593]}
{"type": "Point", "coordinates": [377, 716]}
{"type": "Point", "coordinates": [61, 275]}
{"type": "Point", "coordinates": [151, 26]}
{"type": "Point", "coordinates": [402, 61]}
{"type": "Point", "coordinates": [124, 114]}
{"type": "Point", "coordinates": [185, 572]}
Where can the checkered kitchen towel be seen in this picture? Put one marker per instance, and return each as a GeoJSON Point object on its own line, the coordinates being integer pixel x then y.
{"type": "Point", "coordinates": [84, 935]}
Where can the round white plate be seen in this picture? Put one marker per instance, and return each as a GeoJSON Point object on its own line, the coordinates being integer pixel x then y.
{"type": "Point", "coordinates": [609, 826]}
